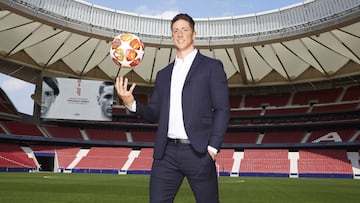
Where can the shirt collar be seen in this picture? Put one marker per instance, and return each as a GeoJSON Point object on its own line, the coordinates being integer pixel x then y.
{"type": "Point", "coordinates": [189, 57]}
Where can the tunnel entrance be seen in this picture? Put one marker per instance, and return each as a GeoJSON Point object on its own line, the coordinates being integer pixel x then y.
{"type": "Point", "coordinates": [45, 160]}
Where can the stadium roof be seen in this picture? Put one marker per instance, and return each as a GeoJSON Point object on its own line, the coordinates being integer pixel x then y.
{"type": "Point", "coordinates": [312, 44]}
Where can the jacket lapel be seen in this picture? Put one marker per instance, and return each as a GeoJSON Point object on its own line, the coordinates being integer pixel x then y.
{"type": "Point", "coordinates": [193, 67]}
{"type": "Point", "coordinates": [167, 84]}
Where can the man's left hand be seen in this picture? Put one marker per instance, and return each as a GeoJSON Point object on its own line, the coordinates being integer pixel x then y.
{"type": "Point", "coordinates": [212, 154]}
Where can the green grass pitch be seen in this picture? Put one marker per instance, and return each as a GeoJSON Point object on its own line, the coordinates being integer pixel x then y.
{"type": "Point", "coordinates": [91, 188]}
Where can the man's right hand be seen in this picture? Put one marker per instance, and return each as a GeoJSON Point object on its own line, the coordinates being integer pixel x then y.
{"type": "Point", "coordinates": [125, 94]}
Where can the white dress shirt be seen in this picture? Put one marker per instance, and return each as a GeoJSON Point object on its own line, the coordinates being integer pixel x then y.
{"type": "Point", "coordinates": [179, 73]}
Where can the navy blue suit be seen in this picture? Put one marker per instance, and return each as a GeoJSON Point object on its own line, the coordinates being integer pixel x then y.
{"type": "Point", "coordinates": [205, 104]}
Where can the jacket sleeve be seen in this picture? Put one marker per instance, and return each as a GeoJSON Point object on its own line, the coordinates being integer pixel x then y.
{"type": "Point", "coordinates": [221, 106]}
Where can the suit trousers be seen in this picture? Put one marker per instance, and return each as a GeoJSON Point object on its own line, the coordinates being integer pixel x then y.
{"type": "Point", "coordinates": [178, 162]}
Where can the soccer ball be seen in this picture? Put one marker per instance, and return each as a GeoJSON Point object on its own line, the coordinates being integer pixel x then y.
{"type": "Point", "coordinates": [127, 50]}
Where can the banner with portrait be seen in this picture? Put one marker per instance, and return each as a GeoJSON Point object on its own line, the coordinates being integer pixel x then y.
{"type": "Point", "coordinates": [76, 99]}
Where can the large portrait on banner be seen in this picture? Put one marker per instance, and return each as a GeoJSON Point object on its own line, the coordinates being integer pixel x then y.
{"type": "Point", "coordinates": [76, 99]}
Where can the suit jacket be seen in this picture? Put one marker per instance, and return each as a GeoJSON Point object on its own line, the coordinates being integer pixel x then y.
{"type": "Point", "coordinates": [205, 103]}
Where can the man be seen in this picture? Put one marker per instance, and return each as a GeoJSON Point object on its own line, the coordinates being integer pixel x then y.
{"type": "Point", "coordinates": [50, 90]}
{"type": "Point", "coordinates": [105, 99]}
{"type": "Point", "coordinates": [190, 102]}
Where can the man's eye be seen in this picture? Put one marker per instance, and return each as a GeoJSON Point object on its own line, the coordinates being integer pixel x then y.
{"type": "Point", "coordinates": [48, 94]}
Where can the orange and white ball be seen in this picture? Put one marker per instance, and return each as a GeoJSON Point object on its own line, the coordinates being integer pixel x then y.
{"type": "Point", "coordinates": [127, 50]}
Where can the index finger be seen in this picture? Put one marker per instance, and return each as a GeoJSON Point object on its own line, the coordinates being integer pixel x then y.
{"type": "Point", "coordinates": [118, 83]}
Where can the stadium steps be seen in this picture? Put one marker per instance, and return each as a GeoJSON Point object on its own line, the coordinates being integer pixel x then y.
{"type": "Point", "coordinates": [29, 152]}
{"type": "Point", "coordinates": [65, 156]}
{"type": "Point", "coordinates": [44, 132]}
{"type": "Point", "coordinates": [355, 136]}
{"type": "Point", "coordinates": [237, 156]}
{"type": "Point", "coordinates": [294, 157]}
{"type": "Point", "coordinates": [129, 137]}
{"type": "Point", "coordinates": [84, 134]}
{"type": "Point", "coordinates": [306, 137]}
{"type": "Point", "coordinates": [79, 156]}
{"type": "Point", "coordinates": [260, 138]}
{"type": "Point", "coordinates": [142, 163]}
{"type": "Point", "coordinates": [132, 156]}
{"type": "Point", "coordinates": [354, 159]}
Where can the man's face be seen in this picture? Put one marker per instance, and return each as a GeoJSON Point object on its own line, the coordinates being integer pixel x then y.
{"type": "Point", "coordinates": [47, 98]}
{"type": "Point", "coordinates": [183, 36]}
{"type": "Point", "coordinates": [105, 100]}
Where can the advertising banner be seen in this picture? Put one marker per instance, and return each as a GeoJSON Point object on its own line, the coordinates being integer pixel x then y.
{"type": "Point", "coordinates": [76, 99]}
